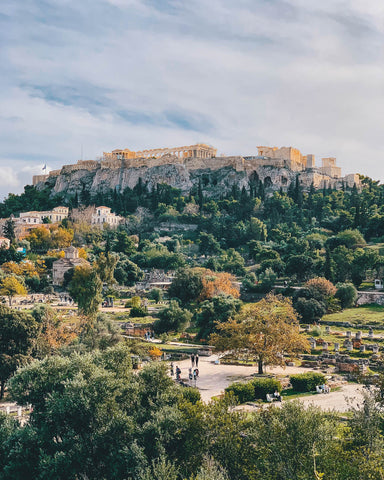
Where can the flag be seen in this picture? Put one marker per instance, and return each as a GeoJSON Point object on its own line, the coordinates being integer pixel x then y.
{"type": "Point", "coordinates": [45, 167]}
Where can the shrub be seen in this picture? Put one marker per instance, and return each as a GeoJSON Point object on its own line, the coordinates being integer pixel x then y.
{"type": "Point", "coordinates": [347, 294]}
{"type": "Point", "coordinates": [191, 394]}
{"type": "Point", "coordinates": [138, 312]}
{"type": "Point", "coordinates": [244, 392]}
{"type": "Point", "coordinates": [262, 386]}
{"type": "Point", "coordinates": [306, 382]}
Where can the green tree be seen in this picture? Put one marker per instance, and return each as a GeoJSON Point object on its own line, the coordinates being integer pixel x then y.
{"type": "Point", "coordinates": [187, 285]}
{"type": "Point", "coordinates": [156, 294]}
{"type": "Point", "coordinates": [217, 310]}
{"type": "Point", "coordinates": [127, 272]}
{"type": "Point", "coordinates": [85, 288]}
{"type": "Point", "coordinates": [208, 244]}
{"type": "Point", "coordinates": [10, 230]}
{"type": "Point", "coordinates": [105, 267]}
{"type": "Point", "coordinates": [124, 244]}
{"type": "Point", "coordinates": [18, 332]}
{"type": "Point", "coordinates": [347, 294]}
{"type": "Point", "coordinates": [300, 265]}
{"type": "Point", "coordinates": [172, 318]}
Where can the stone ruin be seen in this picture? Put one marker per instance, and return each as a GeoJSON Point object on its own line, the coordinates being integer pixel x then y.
{"type": "Point", "coordinates": [181, 167]}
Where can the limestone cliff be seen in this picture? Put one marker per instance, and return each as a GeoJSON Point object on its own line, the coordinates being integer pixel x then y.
{"type": "Point", "coordinates": [217, 175]}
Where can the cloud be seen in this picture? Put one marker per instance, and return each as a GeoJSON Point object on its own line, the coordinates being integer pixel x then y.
{"type": "Point", "coordinates": [142, 74]}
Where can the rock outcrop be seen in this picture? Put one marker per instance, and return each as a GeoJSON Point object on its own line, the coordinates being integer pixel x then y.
{"type": "Point", "coordinates": [217, 175]}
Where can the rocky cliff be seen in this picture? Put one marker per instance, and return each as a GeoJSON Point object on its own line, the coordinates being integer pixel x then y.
{"type": "Point", "coordinates": [217, 175]}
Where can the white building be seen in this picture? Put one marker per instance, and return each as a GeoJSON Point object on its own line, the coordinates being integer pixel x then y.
{"type": "Point", "coordinates": [55, 215]}
{"type": "Point", "coordinates": [103, 215]}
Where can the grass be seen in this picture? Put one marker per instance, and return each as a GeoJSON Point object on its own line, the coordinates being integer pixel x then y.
{"type": "Point", "coordinates": [363, 315]}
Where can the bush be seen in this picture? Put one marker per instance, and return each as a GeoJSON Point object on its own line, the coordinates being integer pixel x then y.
{"type": "Point", "coordinates": [138, 312]}
{"type": "Point", "coordinates": [255, 389]}
{"type": "Point", "coordinates": [244, 392]}
{"type": "Point", "coordinates": [262, 386]}
{"type": "Point", "coordinates": [347, 294]}
{"type": "Point", "coordinates": [306, 382]}
{"type": "Point", "coordinates": [191, 394]}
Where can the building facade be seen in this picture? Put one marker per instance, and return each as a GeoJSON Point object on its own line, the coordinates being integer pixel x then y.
{"type": "Point", "coordinates": [104, 216]}
{"type": "Point", "coordinates": [62, 265]}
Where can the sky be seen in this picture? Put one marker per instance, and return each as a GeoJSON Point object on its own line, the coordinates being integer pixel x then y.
{"type": "Point", "coordinates": [79, 77]}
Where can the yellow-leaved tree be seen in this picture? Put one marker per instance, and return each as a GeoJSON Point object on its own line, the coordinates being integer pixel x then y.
{"type": "Point", "coordinates": [11, 287]}
{"type": "Point", "coordinates": [266, 331]}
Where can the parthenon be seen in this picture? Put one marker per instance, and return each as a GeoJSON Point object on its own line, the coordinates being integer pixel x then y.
{"type": "Point", "coordinates": [199, 150]}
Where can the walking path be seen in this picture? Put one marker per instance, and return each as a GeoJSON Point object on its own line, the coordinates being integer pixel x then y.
{"type": "Point", "coordinates": [213, 379]}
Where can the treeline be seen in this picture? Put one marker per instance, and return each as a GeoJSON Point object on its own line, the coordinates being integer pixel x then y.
{"type": "Point", "coordinates": [93, 417]}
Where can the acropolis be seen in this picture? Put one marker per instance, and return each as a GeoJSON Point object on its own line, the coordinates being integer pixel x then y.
{"type": "Point", "coordinates": [180, 166]}
{"type": "Point", "coordinates": [199, 150]}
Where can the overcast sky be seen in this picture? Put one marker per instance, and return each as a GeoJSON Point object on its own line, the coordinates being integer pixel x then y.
{"type": "Point", "coordinates": [93, 75]}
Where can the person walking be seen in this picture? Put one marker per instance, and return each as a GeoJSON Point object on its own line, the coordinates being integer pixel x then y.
{"type": "Point", "coordinates": [193, 359]}
{"type": "Point", "coordinates": [197, 360]}
{"type": "Point", "coordinates": [172, 370]}
{"type": "Point", "coordinates": [178, 372]}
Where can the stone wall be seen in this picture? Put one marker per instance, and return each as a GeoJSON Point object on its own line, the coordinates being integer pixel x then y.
{"type": "Point", "coordinates": [364, 298]}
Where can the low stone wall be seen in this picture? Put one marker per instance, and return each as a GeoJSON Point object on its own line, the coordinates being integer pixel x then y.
{"type": "Point", "coordinates": [364, 298]}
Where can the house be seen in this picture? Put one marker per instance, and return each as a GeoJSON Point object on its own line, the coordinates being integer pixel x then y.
{"type": "Point", "coordinates": [103, 215]}
{"type": "Point", "coordinates": [71, 259]}
{"type": "Point", "coordinates": [55, 215]}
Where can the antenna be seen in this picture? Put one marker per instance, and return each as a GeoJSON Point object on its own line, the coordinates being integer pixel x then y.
{"type": "Point", "coordinates": [81, 157]}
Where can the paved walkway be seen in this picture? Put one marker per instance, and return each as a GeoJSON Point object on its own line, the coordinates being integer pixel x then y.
{"type": "Point", "coordinates": [213, 379]}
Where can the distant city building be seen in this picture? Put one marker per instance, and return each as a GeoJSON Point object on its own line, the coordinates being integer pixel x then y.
{"type": "Point", "coordinates": [103, 215]}
{"type": "Point", "coordinates": [62, 265]}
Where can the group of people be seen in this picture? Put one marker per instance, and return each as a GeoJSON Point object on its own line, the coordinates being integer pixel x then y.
{"type": "Point", "coordinates": [325, 388]}
{"type": "Point", "coordinates": [148, 336]}
{"type": "Point", "coordinates": [277, 396]}
{"type": "Point", "coordinates": [195, 360]}
{"type": "Point", "coordinates": [193, 372]}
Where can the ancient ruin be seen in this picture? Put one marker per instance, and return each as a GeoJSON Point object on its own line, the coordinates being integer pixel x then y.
{"type": "Point", "coordinates": [181, 167]}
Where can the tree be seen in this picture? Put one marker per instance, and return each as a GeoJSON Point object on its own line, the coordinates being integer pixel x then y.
{"type": "Point", "coordinates": [257, 229]}
{"type": "Point", "coordinates": [351, 238]}
{"type": "Point", "coordinates": [156, 294]}
{"type": "Point", "coordinates": [309, 309]}
{"type": "Point", "coordinates": [320, 288]}
{"type": "Point", "coordinates": [187, 285]}
{"type": "Point", "coordinates": [300, 265]}
{"type": "Point", "coordinates": [216, 283]}
{"type": "Point", "coordinates": [10, 230]}
{"type": "Point", "coordinates": [124, 244]}
{"type": "Point", "coordinates": [216, 310]}
{"type": "Point", "coordinates": [347, 294]}
{"type": "Point", "coordinates": [18, 331]}
{"type": "Point", "coordinates": [208, 244]}
{"type": "Point", "coordinates": [11, 287]}
{"type": "Point", "coordinates": [85, 288]}
{"type": "Point", "coordinates": [127, 272]}
{"type": "Point", "coordinates": [105, 267]}
{"type": "Point", "coordinates": [172, 318]}
{"type": "Point", "coordinates": [267, 331]}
